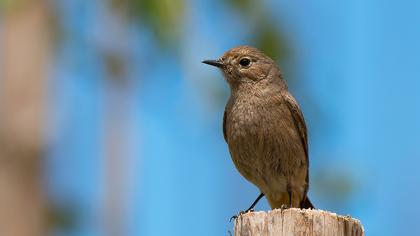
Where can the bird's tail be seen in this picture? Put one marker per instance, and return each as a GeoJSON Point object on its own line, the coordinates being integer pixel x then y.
{"type": "Point", "coordinates": [306, 203]}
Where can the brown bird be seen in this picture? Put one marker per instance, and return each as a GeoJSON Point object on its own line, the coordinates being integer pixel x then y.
{"type": "Point", "coordinates": [264, 128]}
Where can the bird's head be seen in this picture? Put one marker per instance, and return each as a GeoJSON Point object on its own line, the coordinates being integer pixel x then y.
{"type": "Point", "coordinates": [247, 65]}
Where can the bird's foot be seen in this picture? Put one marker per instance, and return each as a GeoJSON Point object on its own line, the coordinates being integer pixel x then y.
{"type": "Point", "coordinates": [239, 214]}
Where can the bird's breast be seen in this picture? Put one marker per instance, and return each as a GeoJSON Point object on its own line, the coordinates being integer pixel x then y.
{"type": "Point", "coordinates": [249, 120]}
{"type": "Point", "coordinates": [262, 139]}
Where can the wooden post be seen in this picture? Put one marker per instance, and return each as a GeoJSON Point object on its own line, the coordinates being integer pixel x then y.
{"type": "Point", "coordinates": [294, 221]}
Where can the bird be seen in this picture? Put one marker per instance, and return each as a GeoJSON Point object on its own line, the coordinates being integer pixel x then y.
{"type": "Point", "coordinates": [264, 128]}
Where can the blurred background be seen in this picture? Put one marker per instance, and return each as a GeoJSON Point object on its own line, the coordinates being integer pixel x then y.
{"type": "Point", "coordinates": [110, 125]}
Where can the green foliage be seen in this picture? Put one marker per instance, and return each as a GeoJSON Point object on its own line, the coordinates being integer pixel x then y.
{"type": "Point", "coordinates": [10, 5]}
{"type": "Point", "coordinates": [163, 17]}
{"type": "Point", "coordinates": [334, 184]}
{"type": "Point", "coordinates": [265, 33]}
{"type": "Point", "coordinates": [5, 4]}
{"type": "Point", "coordinates": [271, 42]}
{"type": "Point", "coordinates": [243, 5]}
{"type": "Point", "coordinates": [63, 217]}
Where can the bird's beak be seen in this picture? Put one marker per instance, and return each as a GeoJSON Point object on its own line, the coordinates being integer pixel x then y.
{"type": "Point", "coordinates": [216, 63]}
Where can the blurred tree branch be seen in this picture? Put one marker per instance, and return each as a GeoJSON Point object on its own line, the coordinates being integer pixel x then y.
{"type": "Point", "coordinates": [24, 48]}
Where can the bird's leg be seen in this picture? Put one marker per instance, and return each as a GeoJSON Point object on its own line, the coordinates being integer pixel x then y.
{"type": "Point", "coordinates": [290, 192]}
{"type": "Point", "coordinates": [251, 208]}
{"type": "Point", "coordinates": [290, 198]}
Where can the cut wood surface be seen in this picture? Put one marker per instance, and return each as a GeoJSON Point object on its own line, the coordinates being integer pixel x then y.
{"type": "Point", "coordinates": [294, 221]}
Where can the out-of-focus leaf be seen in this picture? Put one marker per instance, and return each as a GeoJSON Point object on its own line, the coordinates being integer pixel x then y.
{"type": "Point", "coordinates": [115, 65]}
{"type": "Point", "coordinates": [271, 41]}
{"type": "Point", "coordinates": [63, 217]}
{"type": "Point", "coordinates": [4, 4]}
{"type": "Point", "coordinates": [164, 17]}
{"type": "Point", "coordinates": [334, 184]}
{"type": "Point", "coordinates": [264, 34]}
{"type": "Point", "coordinates": [243, 5]}
{"type": "Point", "coordinates": [8, 4]}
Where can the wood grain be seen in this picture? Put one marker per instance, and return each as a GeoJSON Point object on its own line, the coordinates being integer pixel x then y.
{"type": "Point", "coordinates": [291, 222]}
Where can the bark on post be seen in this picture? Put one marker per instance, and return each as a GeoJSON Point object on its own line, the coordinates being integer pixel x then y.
{"type": "Point", "coordinates": [291, 222]}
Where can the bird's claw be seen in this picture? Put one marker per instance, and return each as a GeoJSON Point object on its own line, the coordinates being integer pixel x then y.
{"type": "Point", "coordinates": [284, 207]}
{"type": "Point", "coordinates": [233, 218]}
{"type": "Point", "coordinates": [239, 214]}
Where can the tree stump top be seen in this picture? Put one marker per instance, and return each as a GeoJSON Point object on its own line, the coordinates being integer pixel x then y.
{"type": "Point", "coordinates": [294, 221]}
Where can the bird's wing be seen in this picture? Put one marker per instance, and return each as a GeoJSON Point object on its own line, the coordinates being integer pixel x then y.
{"type": "Point", "coordinates": [224, 126]}
{"type": "Point", "coordinates": [298, 120]}
{"type": "Point", "coordinates": [227, 108]}
{"type": "Point", "coordinates": [300, 126]}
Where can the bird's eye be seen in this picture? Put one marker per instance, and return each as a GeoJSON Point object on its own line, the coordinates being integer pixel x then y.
{"type": "Point", "coordinates": [244, 62]}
